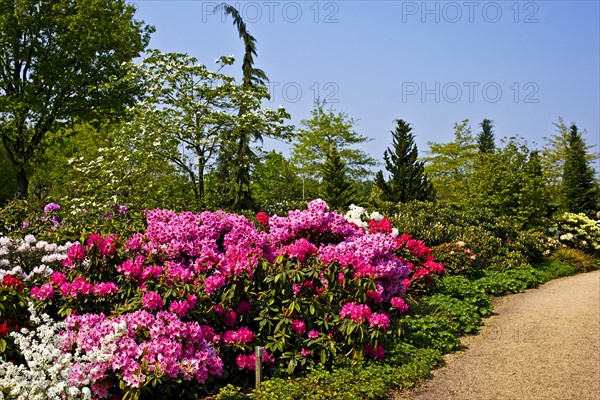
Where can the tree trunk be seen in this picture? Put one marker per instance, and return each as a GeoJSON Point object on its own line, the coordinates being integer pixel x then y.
{"type": "Point", "coordinates": [22, 184]}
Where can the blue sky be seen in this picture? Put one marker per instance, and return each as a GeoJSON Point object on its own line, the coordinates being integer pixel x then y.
{"type": "Point", "coordinates": [521, 64]}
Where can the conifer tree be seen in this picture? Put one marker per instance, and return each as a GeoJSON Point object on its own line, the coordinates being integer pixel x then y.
{"type": "Point", "coordinates": [485, 139]}
{"type": "Point", "coordinates": [407, 180]}
{"type": "Point", "coordinates": [579, 189]}
{"type": "Point", "coordinates": [336, 188]}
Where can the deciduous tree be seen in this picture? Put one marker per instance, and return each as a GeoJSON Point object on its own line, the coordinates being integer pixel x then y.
{"type": "Point", "coordinates": [61, 60]}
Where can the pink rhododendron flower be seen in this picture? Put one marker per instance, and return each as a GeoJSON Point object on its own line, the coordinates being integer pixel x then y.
{"type": "Point", "coordinates": [152, 301]}
{"type": "Point", "coordinates": [44, 292]}
{"type": "Point", "coordinates": [398, 303]}
{"type": "Point", "coordinates": [75, 254]}
{"type": "Point", "coordinates": [299, 326]}
{"type": "Point", "coordinates": [313, 334]}
{"type": "Point", "coordinates": [379, 321]}
{"type": "Point", "coordinates": [357, 312]}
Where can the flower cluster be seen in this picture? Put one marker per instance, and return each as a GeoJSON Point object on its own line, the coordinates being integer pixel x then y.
{"type": "Point", "coordinates": [150, 345]}
{"type": "Point", "coordinates": [456, 257]}
{"type": "Point", "coordinates": [46, 372]}
{"type": "Point", "coordinates": [577, 231]}
{"type": "Point", "coordinates": [29, 259]}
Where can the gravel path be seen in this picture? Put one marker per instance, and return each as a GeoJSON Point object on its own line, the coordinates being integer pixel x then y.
{"type": "Point", "coordinates": [541, 344]}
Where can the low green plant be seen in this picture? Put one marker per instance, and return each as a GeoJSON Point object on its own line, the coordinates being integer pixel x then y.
{"type": "Point", "coordinates": [465, 289]}
{"type": "Point", "coordinates": [577, 258]}
{"type": "Point", "coordinates": [465, 315]}
{"type": "Point", "coordinates": [431, 331]}
{"type": "Point", "coordinates": [510, 281]}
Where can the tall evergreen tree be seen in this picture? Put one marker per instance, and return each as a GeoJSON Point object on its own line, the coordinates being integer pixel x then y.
{"type": "Point", "coordinates": [579, 189]}
{"type": "Point", "coordinates": [336, 189]}
{"type": "Point", "coordinates": [237, 156]}
{"type": "Point", "coordinates": [408, 180]}
{"type": "Point", "coordinates": [485, 139]}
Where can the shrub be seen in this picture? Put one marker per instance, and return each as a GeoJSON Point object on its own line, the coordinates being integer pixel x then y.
{"type": "Point", "coordinates": [430, 331]}
{"type": "Point", "coordinates": [577, 231]}
{"type": "Point", "coordinates": [310, 287]}
{"type": "Point", "coordinates": [577, 258]}
{"type": "Point", "coordinates": [468, 292]}
{"type": "Point", "coordinates": [456, 258]}
{"type": "Point", "coordinates": [465, 315]}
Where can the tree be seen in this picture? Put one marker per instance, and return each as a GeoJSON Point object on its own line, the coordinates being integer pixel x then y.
{"type": "Point", "coordinates": [237, 156]}
{"type": "Point", "coordinates": [485, 138]}
{"type": "Point", "coordinates": [408, 180]}
{"type": "Point", "coordinates": [275, 180]}
{"type": "Point", "coordinates": [579, 189]}
{"type": "Point", "coordinates": [7, 178]}
{"type": "Point", "coordinates": [191, 114]}
{"type": "Point", "coordinates": [59, 61]}
{"type": "Point", "coordinates": [554, 154]}
{"type": "Point", "coordinates": [508, 182]}
{"type": "Point", "coordinates": [449, 164]}
{"type": "Point", "coordinates": [319, 133]}
{"type": "Point", "coordinates": [336, 189]}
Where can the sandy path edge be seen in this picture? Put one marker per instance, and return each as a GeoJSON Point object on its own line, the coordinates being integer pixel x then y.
{"type": "Point", "coordinates": [540, 344]}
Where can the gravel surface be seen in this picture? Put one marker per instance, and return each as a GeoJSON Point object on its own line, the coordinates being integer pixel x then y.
{"type": "Point", "coordinates": [541, 344]}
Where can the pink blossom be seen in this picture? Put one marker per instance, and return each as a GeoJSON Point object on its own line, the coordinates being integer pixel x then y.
{"type": "Point", "coordinates": [44, 292]}
{"type": "Point", "coordinates": [75, 254]}
{"type": "Point", "coordinates": [357, 312]}
{"type": "Point", "coordinates": [379, 321]}
{"type": "Point", "coordinates": [298, 326]}
{"type": "Point", "coordinates": [152, 301]}
{"type": "Point", "coordinates": [398, 303]}
{"type": "Point", "coordinates": [313, 334]}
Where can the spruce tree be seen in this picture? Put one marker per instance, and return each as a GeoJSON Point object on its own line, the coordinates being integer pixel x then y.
{"type": "Point", "coordinates": [485, 139]}
{"type": "Point", "coordinates": [579, 189]}
{"type": "Point", "coordinates": [408, 180]}
{"type": "Point", "coordinates": [336, 189]}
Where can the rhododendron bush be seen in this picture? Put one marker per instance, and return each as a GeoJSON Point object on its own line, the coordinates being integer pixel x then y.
{"type": "Point", "coordinates": [195, 293]}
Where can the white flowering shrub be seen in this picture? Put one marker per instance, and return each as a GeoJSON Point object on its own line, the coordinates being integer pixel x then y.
{"type": "Point", "coordinates": [46, 373]}
{"type": "Point", "coordinates": [577, 231]}
{"type": "Point", "coordinates": [360, 217]}
{"type": "Point", "coordinates": [28, 258]}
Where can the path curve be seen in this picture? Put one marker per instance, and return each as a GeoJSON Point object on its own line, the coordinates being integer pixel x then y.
{"type": "Point", "coordinates": [541, 344]}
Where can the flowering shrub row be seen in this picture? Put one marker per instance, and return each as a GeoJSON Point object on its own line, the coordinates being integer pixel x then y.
{"type": "Point", "coordinates": [194, 293]}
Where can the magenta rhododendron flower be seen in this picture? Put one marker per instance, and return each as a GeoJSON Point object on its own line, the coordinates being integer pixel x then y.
{"type": "Point", "coordinates": [44, 292]}
{"type": "Point", "coordinates": [152, 301]}
{"type": "Point", "coordinates": [357, 312]}
{"type": "Point", "coordinates": [378, 352]}
{"type": "Point", "coordinates": [379, 321]}
{"type": "Point", "coordinates": [399, 303]}
{"type": "Point", "coordinates": [313, 334]}
{"type": "Point", "coordinates": [75, 254]}
{"type": "Point", "coordinates": [299, 326]}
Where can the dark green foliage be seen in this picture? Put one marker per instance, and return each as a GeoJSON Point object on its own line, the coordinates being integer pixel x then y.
{"type": "Point", "coordinates": [485, 139]}
{"type": "Point", "coordinates": [274, 181]}
{"type": "Point", "coordinates": [579, 190]}
{"type": "Point", "coordinates": [8, 174]}
{"type": "Point", "coordinates": [511, 281]}
{"type": "Point", "coordinates": [465, 315]}
{"type": "Point", "coordinates": [430, 331]}
{"type": "Point", "coordinates": [237, 156]}
{"type": "Point", "coordinates": [408, 180]}
{"type": "Point", "coordinates": [336, 188]}
{"type": "Point", "coordinates": [465, 290]}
